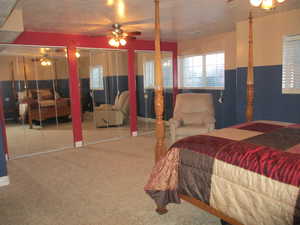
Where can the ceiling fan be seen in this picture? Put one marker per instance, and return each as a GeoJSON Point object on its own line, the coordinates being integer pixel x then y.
{"type": "Point", "coordinates": [118, 36]}
{"type": "Point", "coordinates": [264, 4]}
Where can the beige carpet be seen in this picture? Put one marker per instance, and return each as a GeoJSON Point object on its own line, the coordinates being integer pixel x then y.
{"type": "Point", "coordinates": [100, 184]}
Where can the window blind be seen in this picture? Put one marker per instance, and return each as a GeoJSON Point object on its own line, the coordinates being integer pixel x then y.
{"type": "Point", "coordinates": [291, 65]}
{"type": "Point", "coordinates": [96, 77]}
{"type": "Point", "coordinates": [202, 71]}
{"type": "Point", "coordinates": [149, 73]}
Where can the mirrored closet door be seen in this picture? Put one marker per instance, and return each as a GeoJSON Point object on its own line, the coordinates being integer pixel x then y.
{"type": "Point", "coordinates": [35, 91]}
{"type": "Point", "coordinates": [145, 75]}
{"type": "Point", "coordinates": [104, 94]}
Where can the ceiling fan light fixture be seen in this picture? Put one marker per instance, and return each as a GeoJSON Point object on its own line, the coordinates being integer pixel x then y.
{"type": "Point", "coordinates": [112, 42]}
{"type": "Point", "coordinates": [256, 3]}
{"type": "Point", "coordinates": [117, 44]}
{"type": "Point", "coordinates": [123, 42]}
{"type": "Point", "coordinates": [267, 4]}
{"type": "Point", "coordinates": [45, 61]}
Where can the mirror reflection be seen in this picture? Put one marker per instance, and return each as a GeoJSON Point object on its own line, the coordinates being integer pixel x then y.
{"type": "Point", "coordinates": [35, 91]}
{"type": "Point", "coordinates": [145, 71]}
{"type": "Point", "coordinates": [104, 94]}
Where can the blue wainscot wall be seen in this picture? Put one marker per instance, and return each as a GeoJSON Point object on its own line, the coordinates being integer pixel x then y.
{"type": "Point", "coordinates": [3, 170]}
{"type": "Point", "coordinates": [269, 102]}
{"type": "Point", "coordinates": [145, 101]}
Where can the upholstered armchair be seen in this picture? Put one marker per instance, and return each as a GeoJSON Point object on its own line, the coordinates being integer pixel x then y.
{"type": "Point", "coordinates": [113, 115]}
{"type": "Point", "coordinates": [193, 115]}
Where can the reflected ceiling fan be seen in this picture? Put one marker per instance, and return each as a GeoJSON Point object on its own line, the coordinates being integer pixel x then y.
{"type": "Point", "coordinates": [118, 36]}
{"type": "Point", "coordinates": [264, 4]}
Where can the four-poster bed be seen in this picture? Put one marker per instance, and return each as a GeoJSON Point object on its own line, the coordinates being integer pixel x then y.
{"type": "Point", "coordinates": [41, 104]}
{"type": "Point", "coordinates": [245, 174]}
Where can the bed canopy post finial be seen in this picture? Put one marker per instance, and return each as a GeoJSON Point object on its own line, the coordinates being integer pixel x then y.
{"type": "Point", "coordinates": [250, 77]}
{"type": "Point", "coordinates": [159, 100]}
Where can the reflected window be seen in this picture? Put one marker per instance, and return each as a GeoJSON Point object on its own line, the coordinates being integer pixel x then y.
{"type": "Point", "coordinates": [149, 73]}
{"type": "Point", "coordinates": [96, 77]}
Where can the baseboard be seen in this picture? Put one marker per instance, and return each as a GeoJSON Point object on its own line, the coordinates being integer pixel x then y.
{"type": "Point", "coordinates": [4, 181]}
{"type": "Point", "coordinates": [78, 144]}
{"type": "Point", "coordinates": [134, 133]}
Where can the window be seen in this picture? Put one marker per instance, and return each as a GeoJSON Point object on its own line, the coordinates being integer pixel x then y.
{"type": "Point", "coordinates": [202, 71]}
{"type": "Point", "coordinates": [291, 65]}
{"type": "Point", "coordinates": [149, 73]}
{"type": "Point", "coordinates": [96, 77]}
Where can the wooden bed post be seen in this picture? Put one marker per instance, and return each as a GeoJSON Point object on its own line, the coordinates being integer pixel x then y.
{"type": "Point", "coordinates": [159, 100]}
{"type": "Point", "coordinates": [250, 78]}
{"type": "Point", "coordinates": [27, 94]}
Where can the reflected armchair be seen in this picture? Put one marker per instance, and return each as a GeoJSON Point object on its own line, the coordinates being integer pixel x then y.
{"type": "Point", "coordinates": [113, 115]}
{"type": "Point", "coordinates": [193, 115]}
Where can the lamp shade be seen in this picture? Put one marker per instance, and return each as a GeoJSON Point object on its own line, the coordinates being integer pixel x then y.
{"type": "Point", "coordinates": [123, 42]}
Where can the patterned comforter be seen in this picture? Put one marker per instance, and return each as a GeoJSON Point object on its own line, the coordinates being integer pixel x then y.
{"type": "Point", "coordinates": [250, 172]}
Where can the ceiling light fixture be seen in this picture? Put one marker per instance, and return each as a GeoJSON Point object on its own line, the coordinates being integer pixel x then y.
{"type": "Point", "coordinates": [266, 4]}
{"type": "Point", "coordinates": [116, 41]}
{"type": "Point", "coordinates": [45, 61]}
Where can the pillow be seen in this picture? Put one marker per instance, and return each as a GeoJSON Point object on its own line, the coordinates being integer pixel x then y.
{"type": "Point", "coordinates": [44, 94]}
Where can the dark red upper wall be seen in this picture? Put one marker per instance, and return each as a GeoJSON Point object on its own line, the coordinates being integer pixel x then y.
{"type": "Point", "coordinates": [56, 39]}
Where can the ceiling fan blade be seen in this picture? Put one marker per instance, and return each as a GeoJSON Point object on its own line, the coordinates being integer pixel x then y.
{"type": "Point", "coordinates": [134, 33]}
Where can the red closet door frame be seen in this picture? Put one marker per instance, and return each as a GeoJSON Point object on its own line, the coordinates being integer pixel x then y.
{"type": "Point", "coordinates": [80, 41]}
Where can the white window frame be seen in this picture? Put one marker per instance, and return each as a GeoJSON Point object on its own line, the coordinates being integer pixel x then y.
{"type": "Point", "coordinates": [100, 67]}
{"type": "Point", "coordinates": [289, 61]}
{"type": "Point", "coordinates": [180, 70]}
